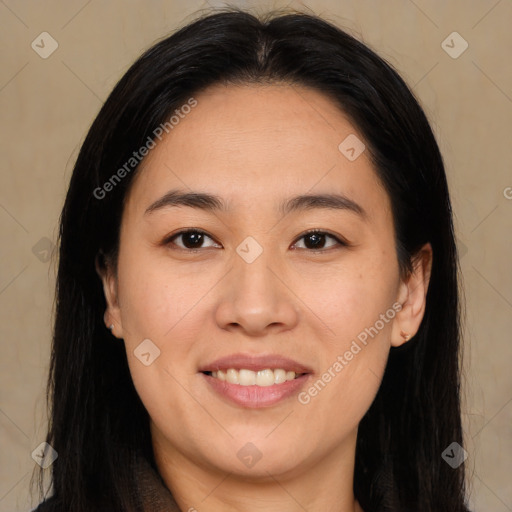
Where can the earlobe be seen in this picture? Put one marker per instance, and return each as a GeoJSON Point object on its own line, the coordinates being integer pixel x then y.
{"type": "Point", "coordinates": [412, 297]}
{"type": "Point", "coordinates": [112, 316]}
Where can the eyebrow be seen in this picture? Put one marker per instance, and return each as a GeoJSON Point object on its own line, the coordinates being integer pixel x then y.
{"type": "Point", "coordinates": [211, 202]}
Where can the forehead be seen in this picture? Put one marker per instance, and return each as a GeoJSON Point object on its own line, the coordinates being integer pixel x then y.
{"type": "Point", "coordinates": [250, 142]}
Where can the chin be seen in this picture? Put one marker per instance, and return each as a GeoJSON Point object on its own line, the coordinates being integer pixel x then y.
{"type": "Point", "coordinates": [259, 459]}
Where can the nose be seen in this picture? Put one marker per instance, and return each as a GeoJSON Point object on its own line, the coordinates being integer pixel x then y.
{"type": "Point", "coordinates": [257, 300]}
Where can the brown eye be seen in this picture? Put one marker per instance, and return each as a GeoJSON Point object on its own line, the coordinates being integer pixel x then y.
{"type": "Point", "coordinates": [191, 239]}
{"type": "Point", "coordinates": [316, 239]}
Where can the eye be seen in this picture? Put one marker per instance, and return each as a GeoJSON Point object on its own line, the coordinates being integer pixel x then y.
{"type": "Point", "coordinates": [191, 238]}
{"type": "Point", "coordinates": [315, 240]}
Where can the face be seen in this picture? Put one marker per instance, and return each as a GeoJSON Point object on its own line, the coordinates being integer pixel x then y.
{"type": "Point", "coordinates": [239, 279]}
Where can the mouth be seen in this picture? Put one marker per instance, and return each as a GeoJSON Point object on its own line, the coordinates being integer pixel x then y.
{"type": "Point", "coordinates": [251, 381]}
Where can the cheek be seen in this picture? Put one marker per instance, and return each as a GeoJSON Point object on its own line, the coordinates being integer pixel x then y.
{"type": "Point", "coordinates": [350, 296]}
{"type": "Point", "coordinates": [153, 306]}
{"type": "Point", "coordinates": [160, 304]}
{"type": "Point", "coordinates": [357, 306]}
{"type": "Point", "coordinates": [154, 297]}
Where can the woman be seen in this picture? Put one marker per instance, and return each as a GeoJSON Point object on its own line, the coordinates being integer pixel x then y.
{"type": "Point", "coordinates": [257, 303]}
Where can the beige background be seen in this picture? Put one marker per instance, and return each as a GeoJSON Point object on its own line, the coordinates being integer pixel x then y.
{"type": "Point", "coordinates": [47, 106]}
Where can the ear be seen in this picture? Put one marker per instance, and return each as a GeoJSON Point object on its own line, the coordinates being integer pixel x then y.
{"type": "Point", "coordinates": [107, 274]}
{"type": "Point", "coordinates": [412, 296]}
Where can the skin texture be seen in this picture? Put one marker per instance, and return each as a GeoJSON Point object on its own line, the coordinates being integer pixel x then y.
{"type": "Point", "coordinates": [255, 146]}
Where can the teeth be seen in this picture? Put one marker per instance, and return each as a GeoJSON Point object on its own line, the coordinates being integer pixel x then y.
{"type": "Point", "coordinates": [232, 376]}
{"type": "Point", "coordinates": [245, 377]}
{"type": "Point", "coordinates": [279, 376]}
{"type": "Point", "coordinates": [290, 375]}
{"type": "Point", "coordinates": [264, 377]}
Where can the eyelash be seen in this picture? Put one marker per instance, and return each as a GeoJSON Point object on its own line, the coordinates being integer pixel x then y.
{"type": "Point", "coordinates": [341, 242]}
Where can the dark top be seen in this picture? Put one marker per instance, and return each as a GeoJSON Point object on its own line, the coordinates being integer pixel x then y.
{"type": "Point", "coordinates": [151, 489]}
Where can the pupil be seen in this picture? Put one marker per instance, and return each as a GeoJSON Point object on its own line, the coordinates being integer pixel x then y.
{"type": "Point", "coordinates": [319, 238]}
{"type": "Point", "coordinates": [192, 235]}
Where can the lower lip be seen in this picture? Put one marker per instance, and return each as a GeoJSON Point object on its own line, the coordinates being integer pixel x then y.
{"type": "Point", "coordinates": [256, 396]}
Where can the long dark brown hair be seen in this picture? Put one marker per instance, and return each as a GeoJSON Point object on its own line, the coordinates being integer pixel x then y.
{"type": "Point", "coordinates": [98, 425]}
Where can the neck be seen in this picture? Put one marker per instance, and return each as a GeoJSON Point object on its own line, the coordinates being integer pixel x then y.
{"type": "Point", "coordinates": [324, 485]}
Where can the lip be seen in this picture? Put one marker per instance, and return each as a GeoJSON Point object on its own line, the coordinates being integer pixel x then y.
{"type": "Point", "coordinates": [255, 397]}
{"type": "Point", "coordinates": [255, 363]}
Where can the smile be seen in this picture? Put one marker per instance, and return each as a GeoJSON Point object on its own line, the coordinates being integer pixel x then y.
{"type": "Point", "coordinates": [263, 378]}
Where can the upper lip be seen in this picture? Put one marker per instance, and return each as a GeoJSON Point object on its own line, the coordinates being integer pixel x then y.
{"type": "Point", "coordinates": [255, 363]}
